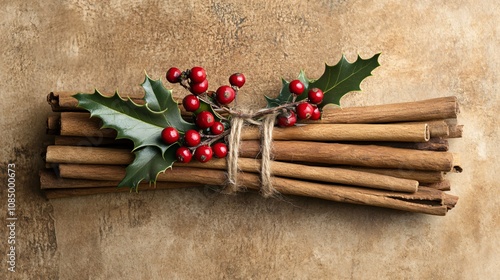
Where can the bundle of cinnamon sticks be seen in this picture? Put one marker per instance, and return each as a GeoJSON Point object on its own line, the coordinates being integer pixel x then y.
{"type": "Point", "coordinates": [394, 156]}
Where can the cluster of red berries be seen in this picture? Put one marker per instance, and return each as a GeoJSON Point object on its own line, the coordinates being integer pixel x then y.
{"type": "Point", "coordinates": [303, 110]}
{"type": "Point", "coordinates": [198, 85]}
{"type": "Point", "coordinates": [206, 123]}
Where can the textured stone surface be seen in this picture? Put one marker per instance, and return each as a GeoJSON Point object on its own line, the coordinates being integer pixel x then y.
{"type": "Point", "coordinates": [429, 49]}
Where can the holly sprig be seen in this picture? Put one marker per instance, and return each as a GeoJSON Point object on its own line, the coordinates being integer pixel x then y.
{"type": "Point", "coordinates": [163, 136]}
{"type": "Point", "coordinates": [337, 80]}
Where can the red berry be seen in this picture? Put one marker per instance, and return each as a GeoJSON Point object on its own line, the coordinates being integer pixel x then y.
{"type": "Point", "coordinates": [203, 153]}
{"type": "Point", "coordinates": [296, 87]}
{"type": "Point", "coordinates": [225, 95]}
{"type": "Point", "coordinates": [304, 110]}
{"type": "Point", "coordinates": [170, 135]}
{"type": "Point", "coordinates": [197, 74]}
{"type": "Point", "coordinates": [287, 119]}
{"type": "Point", "coordinates": [237, 80]}
{"type": "Point", "coordinates": [174, 75]}
{"type": "Point", "coordinates": [183, 155]}
{"type": "Point", "coordinates": [191, 103]}
{"type": "Point", "coordinates": [315, 95]}
{"type": "Point", "coordinates": [316, 114]}
{"type": "Point", "coordinates": [192, 138]}
{"type": "Point", "coordinates": [220, 150]}
{"type": "Point", "coordinates": [205, 119]}
{"type": "Point", "coordinates": [199, 88]}
{"type": "Point", "coordinates": [217, 128]}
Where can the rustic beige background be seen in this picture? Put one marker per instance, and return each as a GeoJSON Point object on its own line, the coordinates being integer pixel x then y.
{"type": "Point", "coordinates": [429, 49]}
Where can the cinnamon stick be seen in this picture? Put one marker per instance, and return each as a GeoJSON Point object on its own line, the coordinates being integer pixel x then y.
{"type": "Point", "coordinates": [444, 185]}
{"type": "Point", "coordinates": [437, 128]}
{"type": "Point", "coordinates": [88, 155]}
{"type": "Point", "coordinates": [456, 131]}
{"type": "Point", "coordinates": [291, 151]}
{"type": "Point", "coordinates": [449, 200]}
{"type": "Point", "coordinates": [452, 130]}
{"type": "Point", "coordinates": [355, 155]}
{"type": "Point", "coordinates": [48, 180]}
{"type": "Point", "coordinates": [71, 192]}
{"type": "Point", "coordinates": [346, 132]}
{"type": "Point", "coordinates": [430, 109]}
{"type": "Point", "coordinates": [346, 194]}
{"type": "Point", "coordinates": [80, 124]}
{"type": "Point", "coordinates": [423, 177]}
{"type": "Point", "coordinates": [325, 174]}
{"type": "Point", "coordinates": [311, 173]}
{"type": "Point", "coordinates": [434, 144]}
{"type": "Point", "coordinates": [92, 142]}
{"type": "Point", "coordinates": [53, 124]}
{"type": "Point", "coordinates": [325, 153]}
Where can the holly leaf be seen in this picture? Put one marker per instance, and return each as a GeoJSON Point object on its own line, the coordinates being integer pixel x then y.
{"type": "Point", "coordinates": [153, 94]}
{"type": "Point", "coordinates": [130, 120]}
{"type": "Point", "coordinates": [285, 96]}
{"type": "Point", "coordinates": [159, 99]}
{"type": "Point", "coordinates": [204, 106]}
{"type": "Point", "coordinates": [148, 163]}
{"type": "Point", "coordinates": [342, 78]}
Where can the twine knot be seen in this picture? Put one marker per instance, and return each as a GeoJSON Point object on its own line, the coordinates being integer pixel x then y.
{"type": "Point", "coordinates": [266, 138]}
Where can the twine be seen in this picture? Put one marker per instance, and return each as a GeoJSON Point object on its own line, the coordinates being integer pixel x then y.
{"type": "Point", "coordinates": [266, 132]}
{"type": "Point", "coordinates": [232, 157]}
{"type": "Point", "coordinates": [234, 139]}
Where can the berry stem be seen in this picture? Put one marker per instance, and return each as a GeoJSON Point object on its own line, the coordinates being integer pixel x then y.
{"type": "Point", "coordinates": [210, 139]}
{"type": "Point", "coordinates": [210, 136]}
{"type": "Point", "coordinates": [184, 85]}
{"type": "Point", "coordinates": [209, 102]}
{"type": "Point", "coordinates": [235, 88]}
{"type": "Point", "coordinates": [263, 112]}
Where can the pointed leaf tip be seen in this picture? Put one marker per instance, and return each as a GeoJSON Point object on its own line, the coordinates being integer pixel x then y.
{"type": "Point", "coordinates": [147, 164]}
{"type": "Point", "coordinates": [344, 77]}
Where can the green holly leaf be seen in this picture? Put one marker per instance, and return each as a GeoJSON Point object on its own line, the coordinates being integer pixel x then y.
{"type": "Point", "coordinates": [204, 106]}
{"type": "Point", "coordinates": [285, 96]}
{"type": "Point", "coordinates": [130, 120]}
{"type": "Point", "coordinates": [159, 99]}
{"type": "Point", "coordinates": [342, 78]}
{"type": "Point", "coordinates": [155, 94]}
{"type": "Point", "coordinates": [148, 163]}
